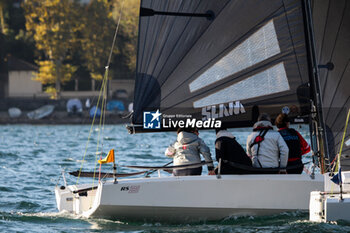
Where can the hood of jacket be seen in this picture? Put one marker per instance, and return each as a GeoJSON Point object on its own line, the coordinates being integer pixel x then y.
{"type": "Point", "coordinates": [186, 137]}
{"type": "Point", "coordinates": [224, 133]}
{"type": "Point", "coordinates": [262, 124]}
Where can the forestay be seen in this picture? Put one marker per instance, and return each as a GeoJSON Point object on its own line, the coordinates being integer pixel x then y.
{"type": "Point", "coordinates": [250, 58]}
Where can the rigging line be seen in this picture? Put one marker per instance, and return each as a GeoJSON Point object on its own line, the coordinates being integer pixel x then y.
{"type": "Point", "coordinates": [224, 51]}
{"type": "Point", "coordinates": [99, 127]}
{"type": "Point", "coordinates": [103, 90]}
{"type": "Point", "coordinates": [336, 89]}
{"type": "Point", "coordinates": [322, 136]}
{"type": "Point", "coordinates": [343, 139]}
{"type": "Point", "coordinates": [91, 103]}
{"type": "Point", "coordinates": [291, 38]}
{"type": "Point", "coordinates": [104, 116]}
{"type": "Point", "coordinates": [336, 144]}
{"type": "Point", "coordinates": [335, 44]}
{"type": "Point", "coordinates": [104, 87]}
{"type": "Point", "coordinates": [104, 112]}
{"type": "Point", "coordinates": [87, 143]}
{"type": "Point", "coordinates": [115, 36]}
{"type": "Point", "coordinates": [103, 125]}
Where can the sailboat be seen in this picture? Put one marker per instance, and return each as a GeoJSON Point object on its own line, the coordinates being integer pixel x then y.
{"type": "Point", "coordinates": [224, 60]}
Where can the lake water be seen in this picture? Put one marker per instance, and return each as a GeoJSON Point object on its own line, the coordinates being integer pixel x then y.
{"type": "Point", "coordinates": [32, 157]}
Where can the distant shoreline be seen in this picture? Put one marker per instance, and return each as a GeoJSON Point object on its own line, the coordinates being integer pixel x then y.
{"type": "Point", "coordinates": [61, 118]}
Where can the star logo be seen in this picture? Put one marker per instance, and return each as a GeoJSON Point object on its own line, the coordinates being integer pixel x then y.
{"type": "Point", "coordinates": [151, 120]}
{"type": "Point", "coordinates": [156, 115]}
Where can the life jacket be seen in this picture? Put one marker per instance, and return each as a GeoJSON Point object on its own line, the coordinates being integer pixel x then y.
{"type": "Point", "coordinates": [291, 138]}
{"type": "Point", "coordinates": [258, 139]}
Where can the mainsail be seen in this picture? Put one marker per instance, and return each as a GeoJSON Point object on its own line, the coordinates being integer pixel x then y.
{"type": "Point", "coordinates": [250, 57]}
{"type": "Point", "coordinates": [332, 38]}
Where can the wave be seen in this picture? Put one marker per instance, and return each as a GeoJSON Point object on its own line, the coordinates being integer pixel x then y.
{"type": "Point", "coordinates": [63, 216]}
{"type": "Point", "coordinates": [7, 189]}
{"type": "Point", "coordinates": [8, 154]}
{"type": "Point", "coordinates": [27, 205]}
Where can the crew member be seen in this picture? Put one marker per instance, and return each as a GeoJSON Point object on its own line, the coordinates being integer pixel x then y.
{"type": "Point", "coordinates": [295, 142]}
{"type": "Point", "coordinates": [231, 153]}
{"type": "Point", "coordinates": [186, 150]}
{"type": "Point", "coordinates": [266, 147]}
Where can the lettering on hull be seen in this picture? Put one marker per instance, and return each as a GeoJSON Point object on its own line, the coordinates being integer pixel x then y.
{"type": "Point", "coordinates": [130, 189]}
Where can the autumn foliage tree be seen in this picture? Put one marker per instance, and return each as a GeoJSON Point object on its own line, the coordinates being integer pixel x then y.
{"type": "Point", "coordinates": [54, 26]}
{"type": "Point", "coordinates": [128, 31]}
{"type": "Point", "coordinates": [3, 5]}
{"type": "Point", "coordinates": [97, 34]}
{"type": "Point", "coordinates": [63, 29]}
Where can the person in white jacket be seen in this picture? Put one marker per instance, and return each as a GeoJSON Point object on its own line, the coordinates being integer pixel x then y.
{"type": "Point", "coordinates": [186, 149]}
{"type": "Point", "coordinates": [266, 147]}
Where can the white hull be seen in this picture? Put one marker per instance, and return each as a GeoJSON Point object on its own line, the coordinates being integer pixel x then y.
{"type": "Point", "coordinates": [330, 205]}
{"type": "Point", "coordinates": [194, 198]}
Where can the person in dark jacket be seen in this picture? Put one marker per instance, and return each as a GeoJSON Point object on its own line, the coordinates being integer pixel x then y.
{"type": "Point", "coordinates": [229, 150]}
{"type": "Point", "coordinates": [295, 142]}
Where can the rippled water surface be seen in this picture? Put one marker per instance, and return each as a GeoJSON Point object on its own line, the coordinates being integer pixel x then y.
{"type": "Point", "coordinates": [32, 157]}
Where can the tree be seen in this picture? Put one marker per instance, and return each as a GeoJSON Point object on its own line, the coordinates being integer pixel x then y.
{"type": "Point", "coordinates": [54, 25]}
{"type": "Point", "coordinates": [47, 75]}
{"type": "Point", "coordinates": [128, 30]}
{"type": "Point", "coordinates": [69, 34]}
{"type": "Point", "coordinates": [3, 6]}
{"type": "Point", "coordinates": [97, 35]}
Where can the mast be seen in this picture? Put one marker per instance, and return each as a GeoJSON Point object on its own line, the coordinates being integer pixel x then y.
{"type": "Point", "coordinates": [320, 129]}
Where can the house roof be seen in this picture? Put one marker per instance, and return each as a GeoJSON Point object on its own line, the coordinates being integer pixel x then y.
{"type": "Point", "coordinates": [16, 64]}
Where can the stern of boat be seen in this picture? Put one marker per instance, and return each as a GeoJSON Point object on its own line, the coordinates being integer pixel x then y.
{"type": "Point", "coordinates": [64, 199]}
{"type": "Point", "coordinates": [331, 204]}
{"type": "Point", "coordinates": [77, 199]}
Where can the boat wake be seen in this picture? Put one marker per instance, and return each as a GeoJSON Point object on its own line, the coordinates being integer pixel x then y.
{"type": "Point", "coordinates": [40, 216]}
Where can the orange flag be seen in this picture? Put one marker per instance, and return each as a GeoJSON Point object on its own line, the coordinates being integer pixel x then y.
{"type": "Point", "coordinates": [109, 158]}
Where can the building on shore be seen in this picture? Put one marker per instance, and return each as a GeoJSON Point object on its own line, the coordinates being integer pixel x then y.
{"type": "Point", "coordinates": [20, 79]}
{"type": "Point", "coordinates": [18, 82]}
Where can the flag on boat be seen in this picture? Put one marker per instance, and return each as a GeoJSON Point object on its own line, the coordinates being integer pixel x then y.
{"type": "Point", "coordinates": [109, 158]}
{"type": "Point", "coordinates": [337, 178]}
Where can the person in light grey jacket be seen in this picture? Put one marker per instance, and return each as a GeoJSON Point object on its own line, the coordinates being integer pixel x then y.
{"type": "Point", "coordinates": [186, 150]}
{"type": "Point", "coordinates": [265, 146]}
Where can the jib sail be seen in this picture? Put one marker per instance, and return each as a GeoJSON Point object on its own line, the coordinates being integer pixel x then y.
{"type": "Point", "coordinates": [332, 38]}
{"type": "Point", "coordinates": [239, 59]}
